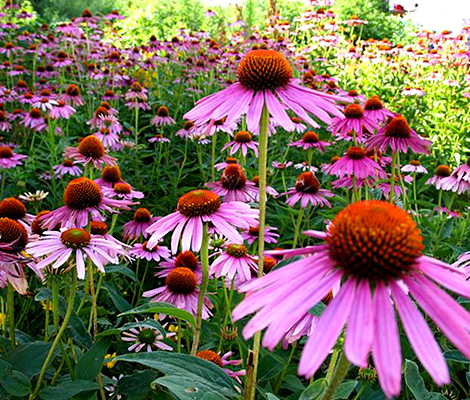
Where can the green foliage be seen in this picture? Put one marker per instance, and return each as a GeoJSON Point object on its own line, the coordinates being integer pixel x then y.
{"type": "Point", "coordinates": [381, 23]}
{"type": "Point", "coordinates": [59, 10]}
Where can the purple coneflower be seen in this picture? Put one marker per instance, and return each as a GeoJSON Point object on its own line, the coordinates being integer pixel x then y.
{"type": "Point", "coordinates": [264, 78]}
{"type": "Point", "coordinates": [110, 176]}
{"type": "Point", "coordinates": [67, 167]}
{"type": "Point", "coordinates": [141, 220]}
{"type": "Point", "coordinates": [244, 141]}
{"type": "Point", "coordinates": [62, 110]}
{"type": "Point", "coordinates": [414, 167]}
{"type": "Point", "coordinates": [235, 260]}
{"type": "Point", "coordinates": [140, 250]}
{"type": "Point", "coordinates": [181, 290]}
{"type": "Point", "coordinates": [281, 165]}
{"type": "Point", "coordinates": [185, 259]}
{"type": "Point", "coordinates": [194, 209]}
{"type": "Point", "coordinates": [108, 138]}
{"type": "Point", "coordinates": [159, 138]}
{"type": "Point", "coordinates": [252, 234]}
{"type": "Point", "coordinates": [307, 190]}
{"type": "Point", "coordinates": [122, 191]}
{"type": "Point", "coordinates": [162, 117]}
{"type": "Point", "coordinates": [9, 159]}
{"type": "Point", "coordinates": [90, 150]}
{"type": "Point", "coordinates": [222, 362]}
{"type": "Point", "coordinates": [398, 135]}
{"type": "Point", "coordinates": [375, 110]}
{"type": "Point", "coordinates": [34, 120]}
{"type": "Point", "coordinates": [356, 163]}
{"type": "Point", "coordinates": [61, 246]}
{"type": "Point", "coordinates": [4, 124]}
{"type": "Point", "coordinates": [304, 166]}
{"type": "Point", "coordinates": [233, 186]}
{"type": "Point", "coordinates": [226, 163]}
{"type": "Point", "coordinates": [353, 122]}
{"type": "Point", "coordinates": [375, 249]}
{"type": "Point", "coordinates": [441, 172]}
{"type": "Point", "coordinates": [84, 201]}
{"type": "Point", "coordinates": [136, 93]}
{"type": "Point", "coordinates": [310, 140]}
{"type": "Point", "coordinates": [186, 130]}
{"type": "Point", "coordinates": [72, 96]}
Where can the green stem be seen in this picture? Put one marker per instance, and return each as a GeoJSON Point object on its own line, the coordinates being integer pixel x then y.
{"type": "Point", "coordinates": [11, 314]}
{"type": "Point", "coordinates": [338, 377]}
{"type": "Point", "coordinates": [94, 311]}
{"type": "Point", "coordinates": [358, 395]}
{"type": "Point", "coordinates": [214, 143]}
{"type": "Point", "coordinates": [392, 178]}
{"type": "Point", "coordinates": [252, 363]}
{"type": "Point", "coordinates": [178, 337]}
{"type": "Point", "coordinates": [280, 378]}
{"type": "Point", "coordinates": [202, 288]}
{"type": "Point", "coordinates": [332, 366]}
{"type": "Point", "coordinates": [297, 227]}
{"type": "Point", "coordinates": [67, 316]}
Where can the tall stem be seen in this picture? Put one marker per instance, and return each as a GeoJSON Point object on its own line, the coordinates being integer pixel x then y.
{"type": "Point", "coordinates": [11, 314]}
{"type": "Point", "coordinates": [297, 227]}
{"type": "Point", "coordinates": [392, 178]}
{"type": "Point", "coordinates": [252, 363]}
{"type": "Point", "coordinates": [68, 313]}
{"type": "Point", "coordinates": [202, 288]}
{"type": "Point", "coordinates": [94, 311]}
{"type": "Point", "coordinates": [338, 377]}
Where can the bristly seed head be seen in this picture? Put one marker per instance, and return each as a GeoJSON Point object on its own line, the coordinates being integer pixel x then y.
{"type": "Point", "coordinates": [75, 238]}
{"type": "Point", "coordinates": [374, 103]}
{"type": "Point", "coordinates": [98, 228]}
{"type": "Point", "coordinates": [243, 137]}
{"type": "Point", "coordinates": [398, 128]}
{"type": "Point", "coordinates": [198, 202]}
{"type": "Point", "coordinates": [310, 137]}
{"type": "Point", "coordinates": [12, 231]}
{"type": "Point", "coordinates": [82, 193]}
{"type": "Point", "coordinates": [210, 356]}
{"type": "Point", "coordinates": [187, 259]}
{"type": "Point", "coordinates": [416, 163]}
{"type": "Point", "coordinates": [12, 208]}
{"type": "Point", "coordinates": [237, 250]}
{"type": "Point", "coordinates": [307, 182]}
{"type": "Point", "coordinates": [354, 111]}
{"type": "Point", "coordinates": [264, 70]}
{"type": "Point", "coordinates": [181, 281]}
{"type": "Point", "coordinates": [374, 240]}
{"type": "Point", "coordinates": [91, 146]}
{"type": "Point", "coordinates": [163, 111]}
{"type": "Point", "coordinates": [6, 152]}
{"type": "Point", "coordinates": [142, 215]}
{"type": "Point", "coordinates": [122, 188]}
{"type": "Point", "coordinates": [233, 177]}
{"type": "Point", "coordinates": [443, 171]}
{"type": "Point", "coordinates": [356, 153]}
{"type": "Point", "coordinates": [111, 174]}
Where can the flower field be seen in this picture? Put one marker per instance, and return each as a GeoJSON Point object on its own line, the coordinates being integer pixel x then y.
{"type": "Point", "coordinates": [276, 213]}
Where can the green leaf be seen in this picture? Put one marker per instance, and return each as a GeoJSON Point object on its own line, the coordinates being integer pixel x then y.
{"type": "Point", "coordinates": [187, 377]}
{"type": "Point", "coordinates": [315, 390]}
{"type": "Point", "coordinates": [415, 383]}
{"type": "Point", "coordinates": [119, 302]}
{"type": "Point", "coordinates": [12, 381]}
{"type": "Point", "coordinates": [162, 308]}
{"type": "Point", "coordinates": [67, 390]}
{"type": "Point", "coordinates": [122, 269]}
{"type": "Point", "coordinates": [29, 357]}
{"type": "Point", "coordinates": [455, 355]}
{"type": "Point", "coordinates": [317, 309]}
{"type": "Point", "coordinates": [137, 386]}
{"type": "Point", "coordinates": [270, 396]}
{"type": "Point", "coordinates": [269, 366]}
{"type": "Point", "coordinates": [344, 390]}
{"type": "Point", "coordinates": [90, 364]}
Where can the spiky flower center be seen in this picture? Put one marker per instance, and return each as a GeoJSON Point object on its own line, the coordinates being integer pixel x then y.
{"type": "Point", "coordinates": [6, 152]}
{"type": "Point", "coordinates": [310, 137]}
{"type": "Point", "coordinates": [36, 225]}
{"type": "Point", "coordinates": [211, 356]}
{"type": "Point", "coordinates": [254, 231]}
{"type": "Point", "coordinates": [3, 118]}
{"type": "Point", "coordinates": [82, 193]}
{"type": "Point", "coordinates": [353, 93]}
{"type": "Point", "coordinates": [188, 125]}
{"type": "Point", "coordinates": [398, 128]}
{"type": "Point", "coordinates": [264, 70]}
{"type": "Point", "coordinates": [73, 90]}
{"type": "Point", "coordinates": [443, 171]}
{"type": "Point", "coordinates": [122, 188]}
{"type": "Point", "coordinates": [374, 103]}
{"type": "Point", "coordinates": [198, 202]}
{"type": "Point", "coordinates": [142, 215]}
{"type": "Point", "coordinates": [354, 111]}
{"type": "Point", "coordinates": [356, 153]}
{"type": "Point", "coordinates": [243, 137]}
{"type": "Point", "coordinates": [307, 182]}
{"type": "Point", "coordinates": [233, 177]}
{"type": "Point", "coordinates": [237, 250]}
{"type": "Point", "coordinates": [12, 208]}
{"type": "Point", "coordinates": [415, 163]}
{"type": "Point", "coordinates": [91, 146]}
{"type": "Point", "coordinates": [147, 336]}
{"type": "Point", "coordinates": [334, 159]}
{"type": "Point", "coordinates": [35, 113]}
{"type": "Point", "coordinates": [98, 228]}
{"type": "Point", "coordinates": [75, 238]}
{"type": "Point", "coordinates": [12, 231]}
{"type": "Point", "coordinates": [145, 247]}
{"type": "Point", "coordinates": [268, 264]}
{"type": "Point", "coordinates": [186, 259]}
{"type": "Point", "coordinates": [163, 111]}
{"type": "Point", "coordinates": [374, 240]}
{"type": "Point", "coordinates": [136, 87]}
{"type": "Point", "coordinates": [181, 281]}
{"type": "Point", "coordinates": [231, 160]}
{"type": "Point", "coordinates": [111, 174]}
